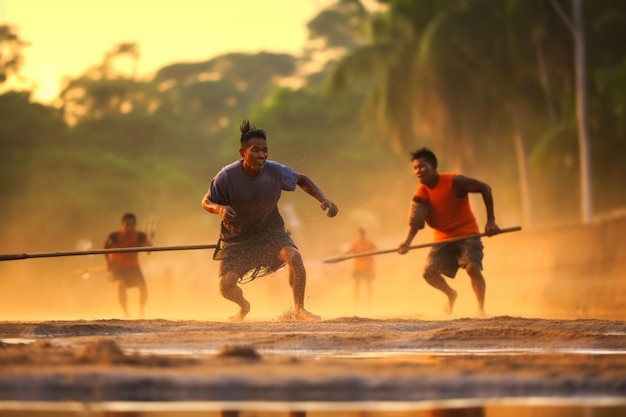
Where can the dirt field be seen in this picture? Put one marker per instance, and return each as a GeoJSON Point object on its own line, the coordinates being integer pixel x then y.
{"type": "Point", "coordinates": [346, 359]}
{"type": "Point", "coordinates": [557, 331]}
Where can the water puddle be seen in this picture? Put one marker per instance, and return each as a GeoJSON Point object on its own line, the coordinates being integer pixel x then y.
{"type": "Point", "coordinates": [527, 407]}
{"type": "Point", "coordinates": [391, 354]}
{"type": "Point", "coordinates": [404, 354]}
{"type": "Point", "coordinates": [608, 406]}
{"type": "Point", "coordinates": [17, 341]}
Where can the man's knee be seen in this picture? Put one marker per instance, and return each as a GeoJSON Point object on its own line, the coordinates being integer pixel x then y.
{"type": "Point", "coordinates": [228, 281]}
{"type": "Point", "coordinates": [290, 255]}
{"type": "Point", "coordinates": [474, 270]}
{"type": "Point", "coordinates": [431, 275]}
{"type": "Point", "coordinates": [290, 252]}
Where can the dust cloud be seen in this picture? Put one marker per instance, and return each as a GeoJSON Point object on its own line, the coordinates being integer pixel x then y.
{"type": "Point", "coordinates": [523, 279]}
{"type": "Point", "coordinates": [567, 272]}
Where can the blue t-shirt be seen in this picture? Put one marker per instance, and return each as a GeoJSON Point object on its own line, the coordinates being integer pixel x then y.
{"type": "Point", "coordinates": [254, 199]}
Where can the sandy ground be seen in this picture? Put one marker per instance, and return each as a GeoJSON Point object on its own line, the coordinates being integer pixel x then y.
{"type": "Point", "coordinates": [343, 359]}
{"type": "Point", "coordinates": [557, 331]}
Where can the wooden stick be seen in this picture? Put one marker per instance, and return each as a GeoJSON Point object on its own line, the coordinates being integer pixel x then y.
{"type": "Point", "coordinates": [11, 257]}
{"type": "Point", "coordinates": [424, 245]}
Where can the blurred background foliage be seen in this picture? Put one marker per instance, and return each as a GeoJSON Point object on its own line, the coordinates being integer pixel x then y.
{"type": "Point", "coordinates": [489, 85]}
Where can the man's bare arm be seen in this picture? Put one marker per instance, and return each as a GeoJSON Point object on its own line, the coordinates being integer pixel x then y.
{"type": "Point", "coordinates": [417, 218]}
{"type": "Point", "coordinates": [463, 185]}
{"type": "Point", "coordinates": [225, 212]}
{"type": "Point", "coordinates": [313, 190]}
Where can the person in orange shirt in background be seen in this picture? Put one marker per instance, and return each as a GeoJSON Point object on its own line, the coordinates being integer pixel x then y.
{"type": "Point", "coordinates": [441, 201]}
{"type": "Point", "coordinates": [363, 270]}
{"type": "Point", "coordinates": [124, 267]}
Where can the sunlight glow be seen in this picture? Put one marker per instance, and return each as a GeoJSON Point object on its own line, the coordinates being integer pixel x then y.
{"type": "Point", "coordinates": [69, 36]}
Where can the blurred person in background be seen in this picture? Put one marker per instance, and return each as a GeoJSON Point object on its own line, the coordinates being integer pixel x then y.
{"type": "Point", "coordinates": [363, 268]}
{"type": "Point", "coordinates": [124, 267]}
{"type": "Point", "coordinates": [441, 201]}
{"type": "Point", "coordinates": [253, 240]}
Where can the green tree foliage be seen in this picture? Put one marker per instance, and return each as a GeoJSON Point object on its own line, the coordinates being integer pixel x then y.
{"type": "Point", "coordinates": [339, 25]}
{"type": "Point", "coordinates": [254, 74]}
{"type": "Point", "coordinates": [325, 138]}
{"type": "Point", "coordinates": [151, 146]}
{"type": "Point", "coordinates": [25, 126]}
{"type": "Point", "coordinates": [464, 77]}
{"type": "Point", "coordinates": [11, 57]}
{"type": "Point", "coordinates": [475, 77]}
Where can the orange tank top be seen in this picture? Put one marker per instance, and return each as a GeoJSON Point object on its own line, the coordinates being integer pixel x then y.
{"type": "Point", "coordinates": [364, 262]}
{"type": "Point", "coordinates": [121, 240]}
{"type": "Point", "coordinates": [449, 216]}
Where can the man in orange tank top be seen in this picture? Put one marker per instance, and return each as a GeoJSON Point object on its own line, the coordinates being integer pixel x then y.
{"type": "Point", "coordinates": [124, 267]}
{"type": "Point", "coordinates": [441, 201]}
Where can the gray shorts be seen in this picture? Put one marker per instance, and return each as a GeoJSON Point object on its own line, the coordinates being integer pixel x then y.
{"type": "Point", "coordinates": [364, 275]}
{"type": "Point", "coordinates": [132, 277]}
{"type": "Point", "coordinates": [446, 259]}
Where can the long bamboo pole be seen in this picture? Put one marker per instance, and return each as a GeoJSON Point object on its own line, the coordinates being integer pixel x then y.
{"type": "Point", "coordinates": [423, 245]}
{"type": "Point", "coordinates": [11, 257]}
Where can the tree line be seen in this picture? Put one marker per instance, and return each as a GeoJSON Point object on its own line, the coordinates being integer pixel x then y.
{"type": "Point", "coordinates": [490, 85]}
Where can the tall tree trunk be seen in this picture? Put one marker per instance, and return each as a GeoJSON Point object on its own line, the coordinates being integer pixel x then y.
{"type": "Point", "coordinates": [545, 83]}
{"type": "Point", "coordinates": [522, 164]}
{"type": "Point", "coordinates": [575, 26]}
{"type": "Point", "coordinates": [581, 113]}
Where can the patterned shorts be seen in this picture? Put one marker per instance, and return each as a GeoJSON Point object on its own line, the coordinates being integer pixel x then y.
{"type": "Point", "coordinates": [254, 257]}
{"type": "Point", "coordinates": [448, 258]}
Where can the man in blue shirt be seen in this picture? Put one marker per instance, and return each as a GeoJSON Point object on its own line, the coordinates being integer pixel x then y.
{"type": "Point", "coordinates": [253, 239]}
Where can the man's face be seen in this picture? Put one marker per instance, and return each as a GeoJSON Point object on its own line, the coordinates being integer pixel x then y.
{"type": "Point", "coordinates": [254, 153]}
{"type": "Point", "coordinates": [128, 225]}
{"type": "Point", "coordinates": [424, 171]}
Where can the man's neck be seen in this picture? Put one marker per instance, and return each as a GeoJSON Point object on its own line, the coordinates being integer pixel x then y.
{"type": "Point", "coordinates": [432, 183]}
{"type": "Point", "coordinates": [250, 171]}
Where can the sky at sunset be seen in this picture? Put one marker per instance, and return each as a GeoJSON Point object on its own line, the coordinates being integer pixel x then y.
{"type": "Point", "coordinates": [68, 36]}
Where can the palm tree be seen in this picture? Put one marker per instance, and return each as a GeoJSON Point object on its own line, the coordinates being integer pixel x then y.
{"type": "Point", "coordinates": [385, 67]}
{"type": "Point", "coordinates": [470, 71]}
{"type": "Point", "coordinates": [430, 82]}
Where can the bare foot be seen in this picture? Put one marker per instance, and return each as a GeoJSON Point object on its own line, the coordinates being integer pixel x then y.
{"type": "Point", "coordinates": [304, 315]}
{"type": "Point", "coordinates": [481, 314]}
{"type": "Point", "coordinates": [243, 312]}
{"type": "Point", "coordinates": [451, 299]}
